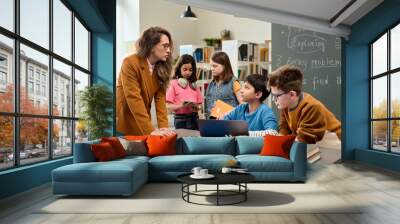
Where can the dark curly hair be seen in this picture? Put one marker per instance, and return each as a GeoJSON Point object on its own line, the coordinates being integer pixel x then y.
{"type": "Point", "coordinates": [259, 83]}
{"type": "Point", "coordinates": [185, 59]}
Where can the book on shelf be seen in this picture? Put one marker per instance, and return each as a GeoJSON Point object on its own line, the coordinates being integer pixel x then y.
{"type": "Point", "coordinates": [264, 71]}
{"type": "Point", "coordinates": [199, 74]}
{"type": "Point", "coordinates": [198, 55]}
{"type": "Point", "coordinates": [243, 52]}
{"type": "Point", "coordinates": [203, 74]}
{"type": "Point", "coordinates": [253, 48]}
{"type": "Point", "coordinates": [264, 54]}
{"type": "Point", "coordinates": [207, 52]}
{"type": "Point", "coordinates": [242, 73]}
{"type": "Point", "coordinates": [254, 68]}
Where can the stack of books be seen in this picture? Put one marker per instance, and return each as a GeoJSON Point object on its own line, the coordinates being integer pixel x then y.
{"type": "Point", "coordinates": [264, 54]}
{"type": "Point", "coordinates": [313, 153]}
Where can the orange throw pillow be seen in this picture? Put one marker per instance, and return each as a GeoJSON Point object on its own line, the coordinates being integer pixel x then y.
{"type": "Point", "coordinates": [161, 145]}
{"type": "Point", "coordinates": [135, 138]}
{"type": "Point", "coordinates": [116, 145]}
{"type": "Point", "coordinates": [277, 145]}
{"type": "Point", "coordinates": [103, 152]}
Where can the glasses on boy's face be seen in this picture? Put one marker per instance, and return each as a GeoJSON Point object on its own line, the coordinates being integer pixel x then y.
{"type": "Point", "coordinates": [276, 96]}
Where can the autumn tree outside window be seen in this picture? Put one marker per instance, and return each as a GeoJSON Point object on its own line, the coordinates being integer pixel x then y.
{"type": "Point", "coordinates": [44, 64]}
{"type": "Point", "coordinates": [385, 93]}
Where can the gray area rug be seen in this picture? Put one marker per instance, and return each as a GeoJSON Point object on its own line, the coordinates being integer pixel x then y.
{"type": "Point", "coordinates": [166, 198]}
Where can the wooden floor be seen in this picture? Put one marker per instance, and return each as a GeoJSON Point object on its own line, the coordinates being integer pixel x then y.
{"type": "Point", "coordinates": [378, 189]}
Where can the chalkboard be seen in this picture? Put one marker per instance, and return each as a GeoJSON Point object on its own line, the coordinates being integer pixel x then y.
{"type": "Point", "coordinates": [318, 55]}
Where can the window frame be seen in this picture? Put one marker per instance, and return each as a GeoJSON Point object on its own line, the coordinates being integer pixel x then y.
{"type": "Point", "coordinates": [16, 114]}
{"type": "Point", "coordinates": [388, 74]}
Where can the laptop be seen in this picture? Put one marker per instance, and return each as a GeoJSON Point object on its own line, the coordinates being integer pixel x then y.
{"type": "Point", "coordinates": [221, 128]}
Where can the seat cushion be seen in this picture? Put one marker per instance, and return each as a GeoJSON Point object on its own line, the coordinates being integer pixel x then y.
{"type": "Point", "coordinates": [185, 163]}
{"type": "Point", "coordinates": [83, 152]}
{"type": "Point", "coordinates": [206, 145]}
{"type": "Point", "coordinates": [257, 163]}
{"type": "Point", "coordinates": [248, 145]}
{"type": "Point", "coordinates": [111, 171]}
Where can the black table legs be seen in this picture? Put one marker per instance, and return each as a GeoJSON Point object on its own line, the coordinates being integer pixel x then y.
{"type": "Point", "coordinates": [220, 193]}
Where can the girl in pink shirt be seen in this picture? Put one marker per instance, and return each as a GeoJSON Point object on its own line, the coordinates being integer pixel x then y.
{"type": "Point", "coordinates": [183, 97]}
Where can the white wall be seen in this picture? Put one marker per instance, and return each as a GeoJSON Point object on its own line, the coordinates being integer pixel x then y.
{"type": "Point", "coordinates": [211, 23]}
{"type": "Point", "coordinates": [167, 15]}
{"type": "Point", "coordinates": [127, 28]}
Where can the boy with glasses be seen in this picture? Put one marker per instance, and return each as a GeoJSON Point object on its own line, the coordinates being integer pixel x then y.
{"type": "Point", "coordinates": [300, 113]}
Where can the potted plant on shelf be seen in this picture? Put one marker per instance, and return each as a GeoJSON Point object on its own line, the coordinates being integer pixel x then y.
{"type": "Point", "coordinates": [213, 42]}
{"type": "Point", "coordinates": [96, 104]}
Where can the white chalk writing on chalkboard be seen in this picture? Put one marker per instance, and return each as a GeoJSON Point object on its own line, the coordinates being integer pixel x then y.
{"type": "Point", "coordinates": [319, 57]}
{"type": "Point", "coordinates": [319, 80]}
{"type": "Point", "coordinates": [325, 62]}
{"type": "Point", "coordinates": [338, 43]}
{"type": "Point", "coordinates": [338, 80]}
{"type": "Point", "coordinates": [322, 81]}
{"type": "Point", "coordinates": [302, 63]}
{"type": "Point", "coordinates": [304, 42]}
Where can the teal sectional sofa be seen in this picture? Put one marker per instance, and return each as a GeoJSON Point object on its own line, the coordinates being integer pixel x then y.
{"type": "Point", "coordinates": [125, 176]}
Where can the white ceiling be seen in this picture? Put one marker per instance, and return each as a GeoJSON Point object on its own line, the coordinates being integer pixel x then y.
{"type": "Point", "coordinates": [320, 9]}
{"type": "Point", "coordinates": [315, 15]}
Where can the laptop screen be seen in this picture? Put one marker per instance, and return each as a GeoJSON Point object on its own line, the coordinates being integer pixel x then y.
{"type": "Point", "coordinates": [221, 128]}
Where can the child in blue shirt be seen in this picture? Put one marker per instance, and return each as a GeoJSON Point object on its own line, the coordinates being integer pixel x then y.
{"type": "Point", "coordinates": [260, 118]}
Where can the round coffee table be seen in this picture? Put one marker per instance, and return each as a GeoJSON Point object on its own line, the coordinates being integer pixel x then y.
{"type": "Point", "coordinates": [238, 179]}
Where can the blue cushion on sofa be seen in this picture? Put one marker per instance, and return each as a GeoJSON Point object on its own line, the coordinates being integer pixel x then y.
{"type": "Point", "coordinates": [249, 145]}
{"type": "Point", "coordinates": [117, 177]}
{"type": "Point", "coordinates": [115, 171]}
{"type": "Point", "coordinates": [185, 163]}
{"type": "Point", "coordinates": [83, 152]}
{"type": "Point", "coordinates": [206, 145]}
{"type": "Point", "coordinates": [257, 163]}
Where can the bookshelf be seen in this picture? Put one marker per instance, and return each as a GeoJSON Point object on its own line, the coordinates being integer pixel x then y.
{"type": "Point", "coordinates": [248, 58]}
{"type": "Point", "coordinates": [202, 56]}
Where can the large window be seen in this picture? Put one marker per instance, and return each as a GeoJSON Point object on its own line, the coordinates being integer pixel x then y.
{"type": "Point", "coordinates": [44, 64]}
{"type": "Point", "coordinates": [385, 93]}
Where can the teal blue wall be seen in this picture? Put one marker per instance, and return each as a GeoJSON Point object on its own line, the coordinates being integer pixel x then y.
{"type": "Point", "coordinates": [356, 86]}
{"type": "Point", "coordinates": [103, 66]}
{"type": "Point", "coordinates": [24, 178]}
{"type": "Point", "coordinates": [103, 52]}
{"type": "Point", "coordinates": [99, 16]}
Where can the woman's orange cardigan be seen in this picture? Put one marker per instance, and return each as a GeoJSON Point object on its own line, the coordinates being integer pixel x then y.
{"type": "Point", "coordinates": [136, 88]}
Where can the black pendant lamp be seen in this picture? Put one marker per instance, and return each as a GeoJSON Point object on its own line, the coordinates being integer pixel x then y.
{"type": "Point", "coordinates": [188, 14]}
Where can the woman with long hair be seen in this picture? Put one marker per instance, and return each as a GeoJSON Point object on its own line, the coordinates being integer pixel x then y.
{"type": "Point", "coordinates": [224, 85]}
{"type": "Point", "coordinates": [144, 76]}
